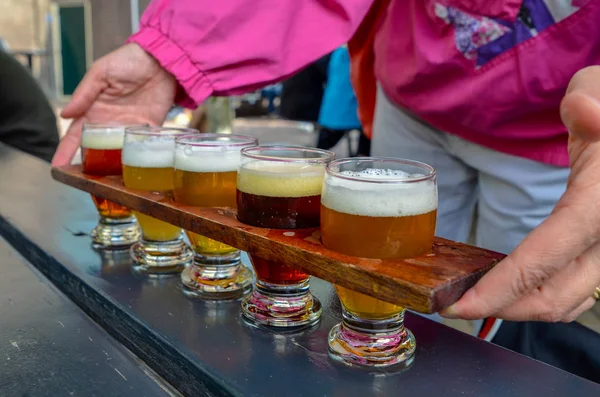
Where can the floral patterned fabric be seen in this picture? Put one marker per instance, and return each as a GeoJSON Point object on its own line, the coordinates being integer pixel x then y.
{"type": "Point", "coordinates": [481, 39]}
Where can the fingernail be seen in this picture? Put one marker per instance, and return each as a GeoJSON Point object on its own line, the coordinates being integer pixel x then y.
{"type": "Point", "coordinates": [449, 312]}
{"type": "Point", "coordinates": [593, 100]}
{"type": "Point", "coordinates": [565, 117]}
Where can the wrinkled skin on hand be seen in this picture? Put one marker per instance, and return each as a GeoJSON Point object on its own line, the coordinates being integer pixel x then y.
{"type": "Point", "coordinates": [126, 86]}
{"type": "Point", "coordinates": [553, 273]}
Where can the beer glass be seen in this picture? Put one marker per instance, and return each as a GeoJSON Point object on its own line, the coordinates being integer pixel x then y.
{"type": "Point", "coordinates": [206, 168]}
{"type": "Point", "coordinates": [279, 187]}
{"type": "Point", "coordinates": [148, 165]}
{"type": "Point", "coordinates": [380, 208]}
{"type": "Point", "coordinates": [101, 155]}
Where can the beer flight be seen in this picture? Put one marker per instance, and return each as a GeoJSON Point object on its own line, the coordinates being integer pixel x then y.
{"type": "Point", "coordinates": [380, 208]}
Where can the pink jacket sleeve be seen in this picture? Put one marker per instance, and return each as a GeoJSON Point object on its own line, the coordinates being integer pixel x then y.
{"type": "Point", "coordinates": [228, 47]}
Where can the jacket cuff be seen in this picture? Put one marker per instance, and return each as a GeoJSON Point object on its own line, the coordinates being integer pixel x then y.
{"type": "Point", "coordinates": [195, 85]}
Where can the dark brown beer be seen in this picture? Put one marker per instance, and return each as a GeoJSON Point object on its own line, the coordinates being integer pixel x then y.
{"type": "Point", "coordinates": [278, 212]}
{"type": "Point", "coordinates": [277, 273]}
{"type": "Point", "coordinates": [279, 196]}
{"type": "Point", "coordinates": [280, 188]}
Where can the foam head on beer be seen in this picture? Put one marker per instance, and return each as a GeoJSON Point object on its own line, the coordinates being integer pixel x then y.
{"type": "Point", "coordinates": [281, 179]}
{"type": "Point", "coordinates": [360, 194]}
{"type": "Point", "coordinates": [154, 152]}
{"type": "Point", "coordinates": [207, 158]}
{"type": "Point", "coordinates": [102, 137]}
{"type": "Point", "coordinates": [378, 213]}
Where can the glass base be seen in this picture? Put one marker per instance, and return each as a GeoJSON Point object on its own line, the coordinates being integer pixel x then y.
{"type": "Point", "coordinates": [284, 306]}
{"type": "Point", "coordinates": [220, 277]}
{"type": "Point", "coordinates": [372, 343]}
{"type": "Point", "coordinates": [115, 233]}
{"type": "Point", "coordinates": [161, 257]}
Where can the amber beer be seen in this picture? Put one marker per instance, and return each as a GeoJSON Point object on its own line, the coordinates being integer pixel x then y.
{"type": "Point", "coordinates": [206, 180]}
{"type": "Point", "coordinates": [101, 147]}
{"type": "Point", "coordinates": [206, 189]}
{"type": "Point", "coordinates": [148, 165]}
{"type": "Point", "coordinates": [358, 228]}
{"type": "Point", "coordinates": [379, 213]}
{"type": "Point", "coordinates": [280, 188]}
{"type": "Point", "coordinates": [206, 168]}
{"type": "Point", "coordinates": [362, 236]}
{"type": "Point", "coordinates": [101, 155]}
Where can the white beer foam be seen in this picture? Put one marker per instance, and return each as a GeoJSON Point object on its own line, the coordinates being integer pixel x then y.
{"type": "Point", "coordinates": [379, 199]}
{"type": "Point", "coordinates": [103, 138]}
{"type": "Point", "coordinates": [150, 153]}
{"type": "Point", "coordinates": [207, 159]}
{"type": "Point", "coordinates": [281, 179]}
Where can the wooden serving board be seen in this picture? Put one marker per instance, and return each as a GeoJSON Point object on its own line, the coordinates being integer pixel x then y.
{"type": "Point", "coordinates": [425, 284]}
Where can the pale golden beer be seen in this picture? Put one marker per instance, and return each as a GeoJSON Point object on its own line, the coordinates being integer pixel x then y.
{"type": "Point", "coordinates": [206, 168]}
{"type": "Point", "coordinates": [380, 209]}
{"type": "Point", "coordinates": [148, 165]}
{"type": "Point", "coordinates": [206, 189]}
{"type": "Point", "coordinates": [101, 156]}
{"type": "Point", "coordinates": [205, 176]}
{"type": "Point", "coordinates": [141, 175]}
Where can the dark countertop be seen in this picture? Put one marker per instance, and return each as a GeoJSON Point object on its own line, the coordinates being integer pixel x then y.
{"type": "Point", "coordinates": [49, 347]}
{"type": "Point", "coordinates": [203, 348]}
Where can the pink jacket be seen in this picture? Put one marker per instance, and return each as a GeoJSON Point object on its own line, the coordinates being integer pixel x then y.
{"type": "Point", "coordinates": [490, 71]}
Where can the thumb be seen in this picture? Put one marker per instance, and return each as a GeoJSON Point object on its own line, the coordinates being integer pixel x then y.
{"type": "Point", "coordinates": [86, 93]}
{"type": "Point", "coordinates": [580, 108]}
{"type": "Point", "coordinates": [68, 145]}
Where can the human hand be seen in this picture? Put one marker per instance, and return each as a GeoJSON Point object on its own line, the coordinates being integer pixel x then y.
{"type": "Point", "coordinates": [126, 86]}
{"type": "Point", "coordinates": [551, 276]}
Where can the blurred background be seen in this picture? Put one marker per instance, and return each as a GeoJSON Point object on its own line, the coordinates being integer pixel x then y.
{"type": "Point", "coordinates": [57, 40]}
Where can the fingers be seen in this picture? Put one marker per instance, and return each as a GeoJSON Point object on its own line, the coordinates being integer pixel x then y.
{"type": "Point", "coordinates": [580, 108]}
{"type": "Point", "coordinates": [86, 93]}
{"type": "Point", "coordinates": [569, 231]}
{"type": "Point", "coordinates": [68, 145]}
{"type": "Point", "coordinates": [543, 253]}
{"type": "Point", "coordinates": [562, 298]}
